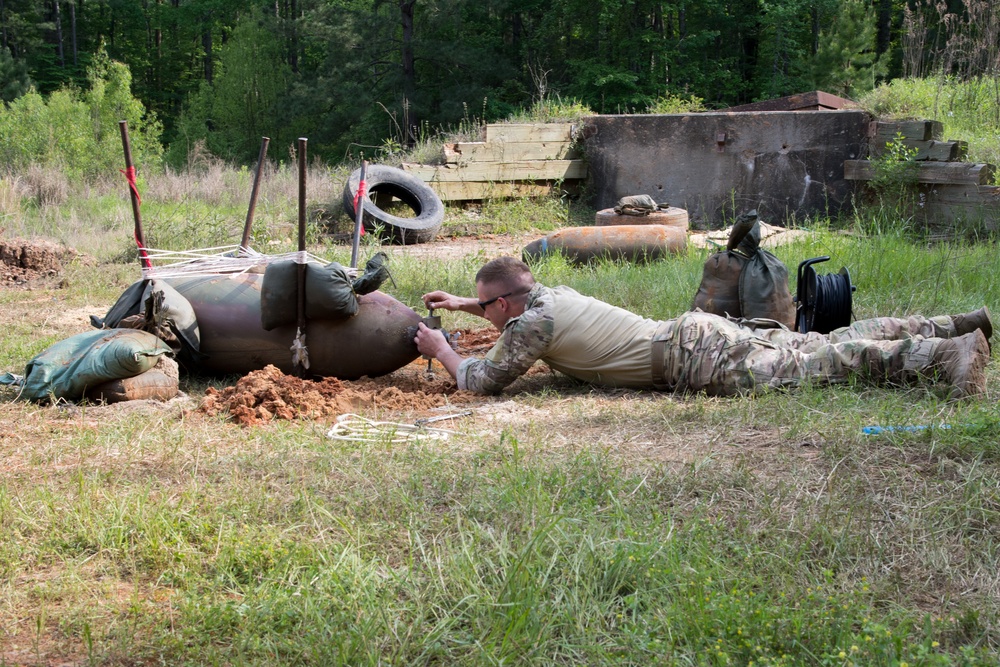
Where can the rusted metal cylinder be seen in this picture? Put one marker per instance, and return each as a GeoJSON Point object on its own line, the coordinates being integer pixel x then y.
{"type": "Point", "coordinates": [632, 243]}
{"type": "Point", "coordinates": [670, 216]}
{"type": "Point", "coordinates": [375, 341]}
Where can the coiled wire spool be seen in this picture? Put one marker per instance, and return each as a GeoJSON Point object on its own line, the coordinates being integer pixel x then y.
{"type": "Point", "coordinates": [823, 302]}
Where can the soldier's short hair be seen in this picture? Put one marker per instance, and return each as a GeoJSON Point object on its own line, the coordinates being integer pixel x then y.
{"type": "Point", "coordinates": [508, 271]}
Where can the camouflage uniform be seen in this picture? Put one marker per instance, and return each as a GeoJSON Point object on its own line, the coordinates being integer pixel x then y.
{"type": "Point", "coordinates": [878, 328]}
{"type": "Point", "coordinates": [574, 334]}
{"type": "Point", "coordinates": [705, 352]}
{"type": "Point", "coordinates": [600, 343]}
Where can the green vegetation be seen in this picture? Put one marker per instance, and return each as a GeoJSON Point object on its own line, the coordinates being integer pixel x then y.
{"type": "Point", "coordinates": [969, 110]}
{"type": "Point", "coordinates": [354, 74]}
{"type": "Point", "coordinates": [677, 104]}
{"type": "Point", "coordinates": [565, 525]}
{"type": "Point", "coordinates": [77, 132]}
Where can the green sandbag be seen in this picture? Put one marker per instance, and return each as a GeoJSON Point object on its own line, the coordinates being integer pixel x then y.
{"type": "Point", "coordinates": [329, 294]}
{"type": "Point", "coordinates": [169, 308]}
{"type": "Point", "coordinates": [65, 370]}
{"type": "Point", "coordinates": [376, 273]}
{"type": "Point", "coordinates": [745, 280]}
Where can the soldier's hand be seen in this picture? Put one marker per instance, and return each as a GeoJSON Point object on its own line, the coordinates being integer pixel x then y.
{"type": "Point", "coordinates": [431, 341]}
{"type": "Point", "coordinates": [443, 300]}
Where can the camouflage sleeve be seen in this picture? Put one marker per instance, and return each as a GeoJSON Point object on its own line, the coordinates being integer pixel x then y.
{"type": "Point", "coordinates": [524, 341]}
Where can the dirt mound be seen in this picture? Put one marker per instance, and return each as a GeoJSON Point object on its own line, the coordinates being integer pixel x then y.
{"type": "Point", "coordinates": [266, 395]}
{"type": "Point", "coordinates": [24, 262]}
{"type": "Point", "coordinates": [269, 394]}
{"type": "Point", "coordinates": [476, 342]}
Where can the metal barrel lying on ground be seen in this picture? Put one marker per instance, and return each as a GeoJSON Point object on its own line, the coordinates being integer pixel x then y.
{"type": "Point", "coordinates": [632, 243]}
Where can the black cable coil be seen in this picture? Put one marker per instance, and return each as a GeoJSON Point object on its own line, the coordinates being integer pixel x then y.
{"type": "Point", "coordinates": [823, 302]}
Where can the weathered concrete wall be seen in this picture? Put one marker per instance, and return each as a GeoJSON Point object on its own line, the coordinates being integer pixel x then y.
{"type": "Point", "coordinates": [786, 164]}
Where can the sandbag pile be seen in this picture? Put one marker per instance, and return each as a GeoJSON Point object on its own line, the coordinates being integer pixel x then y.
{"type": "Point", "coordinates": [110, 365]}
{"type": "Point", "coordinates": [744, 280]}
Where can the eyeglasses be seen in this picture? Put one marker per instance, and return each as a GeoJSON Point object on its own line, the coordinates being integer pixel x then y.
{"type": "Point", "coordinates": [483, 304]}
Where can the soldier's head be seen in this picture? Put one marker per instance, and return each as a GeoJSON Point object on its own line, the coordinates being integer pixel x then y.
{"type": "Point", "coordinates": [502, 286]}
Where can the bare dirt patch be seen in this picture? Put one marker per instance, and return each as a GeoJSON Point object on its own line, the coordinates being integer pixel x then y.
{"type": "Point", "coordinates": [265, 395]}
{"type": "Point", "coordinates": [486, 246]}
{"type": "Point", "coordinates": [27, 263]}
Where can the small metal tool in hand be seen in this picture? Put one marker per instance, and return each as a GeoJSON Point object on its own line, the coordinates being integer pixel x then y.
{"type": "Point", "coordinates": [432, 321]}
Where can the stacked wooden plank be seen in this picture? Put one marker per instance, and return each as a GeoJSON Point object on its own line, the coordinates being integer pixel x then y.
{"type": "Point", "coordinates": [923, 135]}
{"type": "Point", "coordinates": [513, 160]}
{"type": "Point", "coordinates": [943, 173]}
{"type": "Point", "coordinates": [950, 190]}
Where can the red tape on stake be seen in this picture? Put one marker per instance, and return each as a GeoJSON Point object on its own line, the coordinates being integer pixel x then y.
{"type": "Point", "coordinates": [130, 177]}
{"type": "Point", "coordinates": [142, 252]}
{"type": "Point", "coordinates": [362, 186]}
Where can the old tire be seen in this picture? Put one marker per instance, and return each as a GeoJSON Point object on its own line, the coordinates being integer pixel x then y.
{"type": "Point", "coordinates": [383, 184]}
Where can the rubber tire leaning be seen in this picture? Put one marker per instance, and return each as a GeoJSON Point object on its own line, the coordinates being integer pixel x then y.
{"type": "Point", "coordinates": [386, 182]}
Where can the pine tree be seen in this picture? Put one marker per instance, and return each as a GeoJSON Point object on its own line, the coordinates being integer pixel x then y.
{"type": "Point", "coordinates": [14, 79]}
{"type": "Point", "coordinates": [846, 63]}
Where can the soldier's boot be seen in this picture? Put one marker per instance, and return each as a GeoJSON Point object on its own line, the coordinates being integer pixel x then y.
{"type": "Point", "coordinates": [969, 322]}
{"type": "Point", "coordinates": [961, 362]}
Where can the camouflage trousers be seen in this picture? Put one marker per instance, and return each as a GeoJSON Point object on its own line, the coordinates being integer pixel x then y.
{"type": "Point", "coordinates": [705, 352]}
{"type": "Point", "coordinates": [877, 328]}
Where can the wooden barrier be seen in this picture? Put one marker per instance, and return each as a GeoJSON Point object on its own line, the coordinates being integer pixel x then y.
{"type": "Point", "coordinates": [514, 160]}
{"type": "Point", "coordinates": [951, 192]}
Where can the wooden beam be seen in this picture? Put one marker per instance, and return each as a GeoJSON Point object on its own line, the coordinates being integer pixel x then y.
{"type": "Point", "coordinates": [954, 207]}
{"type": "Point", "coordinates": [477, 190]}
{"type": "Point", "coordinates": [935, 151]}
{"type": "Point", "coordinates": [505, 151]}
{"type": "Point", "coordinates": [928, 172]}
{"type": "Point", "coordinates": [917, 130]}
{"type": "Point", "coordinates": [812, 101]}
{"type": "Point", "coordinates": [965, 195]}
{"type": "Point", "coordinates": [529, 133]}
{"type": "Point", "coordinates": [528, 170]}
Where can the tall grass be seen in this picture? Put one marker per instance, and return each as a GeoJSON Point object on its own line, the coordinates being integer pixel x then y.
{"type": "Point", "coordinates": [969, 109]}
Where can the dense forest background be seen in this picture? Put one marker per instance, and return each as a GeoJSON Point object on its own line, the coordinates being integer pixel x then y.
{"type": "Point", "coordinates": [355, 75]}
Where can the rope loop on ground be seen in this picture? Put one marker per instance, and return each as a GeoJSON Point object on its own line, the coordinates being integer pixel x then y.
{"type": "Point", "coordinates": [355, 428]}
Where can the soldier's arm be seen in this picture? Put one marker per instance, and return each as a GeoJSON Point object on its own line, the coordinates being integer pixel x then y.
{"type": "Point", "coordinates": [524, 341]}
{"type": "Point", "coordinates": [445, 301]}
{"type": "Point", "coordinates": [433, 343]}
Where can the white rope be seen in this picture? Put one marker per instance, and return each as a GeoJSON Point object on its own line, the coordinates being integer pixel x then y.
{"type": "Point", "coordinates": [355, 428]}
{"type": "Point", "coordinates": [300, 353]}
{"type": "Point", "coordinates": [220, 260]}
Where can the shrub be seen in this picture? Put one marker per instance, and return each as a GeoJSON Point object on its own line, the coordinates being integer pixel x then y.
{"type": "Point", "coordinates": [969, 110]}
{"type": "Point", "coordinates": [553, 111]}
{"type": "Point", "coordinates": [670, 103]}
{"type": "Point", "coordinates": [77, 132]}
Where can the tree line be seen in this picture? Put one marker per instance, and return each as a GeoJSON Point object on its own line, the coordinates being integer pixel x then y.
{"type": "Point", "coordinates": [357, 75]}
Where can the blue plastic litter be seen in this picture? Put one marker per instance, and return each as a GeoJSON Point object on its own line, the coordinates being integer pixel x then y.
{"type": "Point", "coordinates": [877, 430]}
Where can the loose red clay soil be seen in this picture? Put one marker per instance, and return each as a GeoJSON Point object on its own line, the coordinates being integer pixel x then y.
{"type": "Point", "coordinates": [26, 264]}
{"type": "Point", "coordinates": [265, 395]}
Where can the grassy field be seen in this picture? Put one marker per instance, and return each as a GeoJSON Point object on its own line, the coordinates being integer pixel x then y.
{"type": "Point", "coordinates": [562, 525]}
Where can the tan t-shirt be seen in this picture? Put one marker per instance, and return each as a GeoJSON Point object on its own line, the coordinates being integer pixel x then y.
{"type": "Point", "coordinates": [575, 334]}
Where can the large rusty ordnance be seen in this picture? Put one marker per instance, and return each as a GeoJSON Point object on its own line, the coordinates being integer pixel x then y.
{"type": "Point", "coordinates": [633, 243]}
{"type": "Point", "coordinates": [375, 341]}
